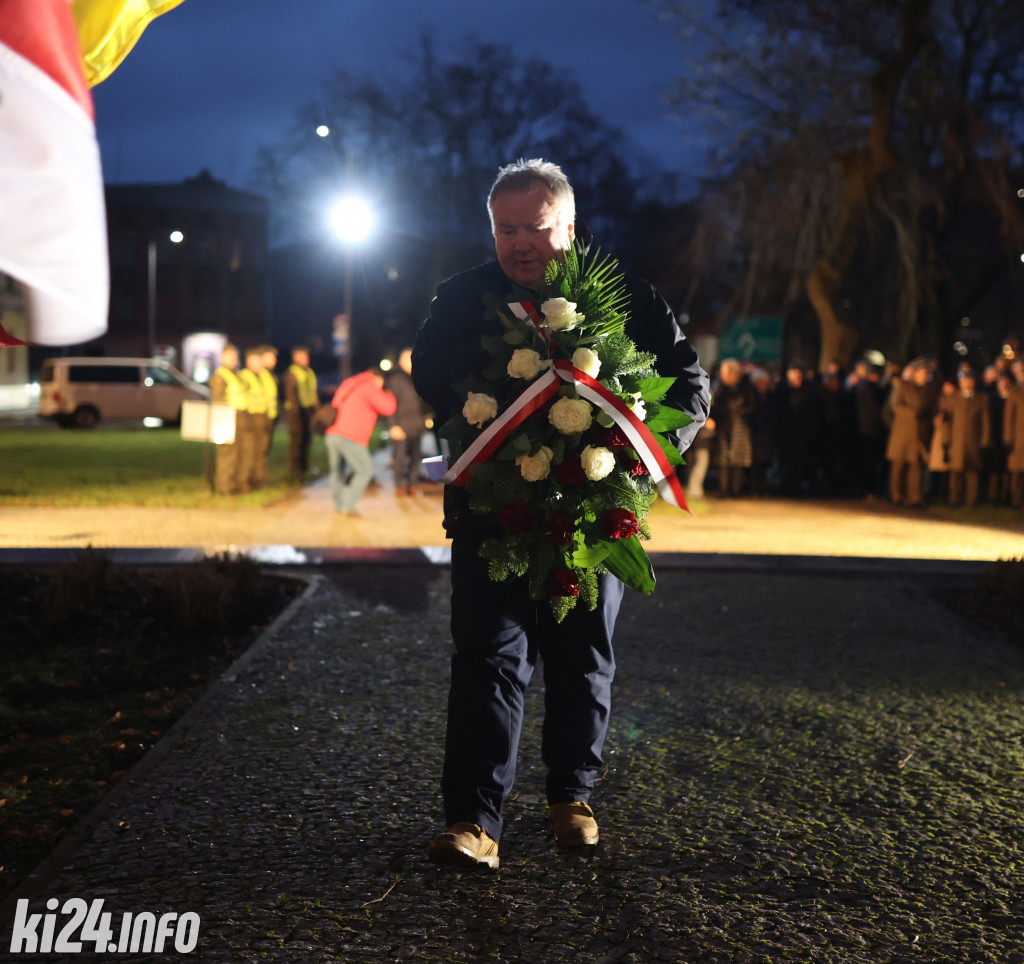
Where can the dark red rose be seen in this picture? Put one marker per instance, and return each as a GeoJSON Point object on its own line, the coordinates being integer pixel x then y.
{"type": "Point", "coordinates": [516, 516]}
{"type": "Point", "coordinates": [564, 582]}
{"type": "Point", "coordinates": [620, 524]}
{"type": "Point", "coordinates": [638, 468]}
{"type": "Point", "coordinates": [612, 438]}
{"type": "Point", "coordinates": [570, 472]}
{"type": "Point", "coordinates": [560, 528]}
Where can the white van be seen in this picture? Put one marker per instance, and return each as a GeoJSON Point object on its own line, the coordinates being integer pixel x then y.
{"type": "Point", "coordinates": [80, 391]}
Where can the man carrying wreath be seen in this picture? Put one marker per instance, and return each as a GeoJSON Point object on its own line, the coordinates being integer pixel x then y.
{"type": "Point", "coordinates": [498, 630]}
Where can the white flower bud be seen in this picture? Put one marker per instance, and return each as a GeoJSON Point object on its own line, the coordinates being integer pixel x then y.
{"type": "Point", "coordinates": [533, 468]}
{"type": "Point", "coordinates": [586, 361]}
{"type": "Point", "coordinates": [525, 363]}
{"type": "Point", "coordinates": [560, 314]}
{"type": "Point", "coordinates": [597, 462]}
{"type": "Point", "coordinates": [479, 408]}
{"type": "Point", "coordinates": [571, 415]}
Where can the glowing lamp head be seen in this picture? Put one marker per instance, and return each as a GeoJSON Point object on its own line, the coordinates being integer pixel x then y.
{"type": "Point", "coordinates": [351, 219]}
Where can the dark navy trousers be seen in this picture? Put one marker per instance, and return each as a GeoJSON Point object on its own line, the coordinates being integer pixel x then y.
{"type": "Point", "coordinates": [499, 632]}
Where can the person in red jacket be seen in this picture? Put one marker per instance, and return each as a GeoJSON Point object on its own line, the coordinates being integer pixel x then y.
{"type": "Point", "coordinates": [359, 400]}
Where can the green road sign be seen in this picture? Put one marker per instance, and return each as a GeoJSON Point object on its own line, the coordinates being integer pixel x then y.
{"type": "Point", "coordinates": [757, 339]}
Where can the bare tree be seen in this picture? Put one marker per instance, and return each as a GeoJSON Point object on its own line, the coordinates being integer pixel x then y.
{"type": "Point", "coordinates": [862, 132]}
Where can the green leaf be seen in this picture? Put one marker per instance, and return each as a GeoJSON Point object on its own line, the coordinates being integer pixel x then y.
{"type": "Point", "coordinates": [589, 556]}
{"type": "Point", "coordinates": [628, 561]}
{"type": "Point", "coordinates": [513, 338]}
{"type": "Point", "coordinates": [655, 389]}
{"type": "Point", "coordinates": [667, 419]}
{"type": "Point", "coordinates": [671, 452]}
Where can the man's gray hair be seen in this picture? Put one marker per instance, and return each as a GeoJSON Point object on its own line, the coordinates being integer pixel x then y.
{"type": "Point", "coordinates": [521, 175]}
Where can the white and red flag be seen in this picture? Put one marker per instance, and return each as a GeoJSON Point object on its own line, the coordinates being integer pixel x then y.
{"type": "Point", "coordinates": [53, 235]}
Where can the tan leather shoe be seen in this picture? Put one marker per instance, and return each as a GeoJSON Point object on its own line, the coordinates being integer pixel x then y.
{"type": "Point", "coordinates": [463, 845]}
{"type": "Point", "coordinates": [575, 825]}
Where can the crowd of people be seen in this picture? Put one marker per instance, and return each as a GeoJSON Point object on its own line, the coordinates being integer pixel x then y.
{"type": "Point", "coordinates": [906, 433]}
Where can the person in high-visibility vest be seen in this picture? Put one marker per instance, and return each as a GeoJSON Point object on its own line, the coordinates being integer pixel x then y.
{"type": "Point", "coordinates": [252, 454]}
{"type": "Point", "coordinates": [272, 389]}
{"type": "Point", "coordinates": [226, 386]}
{"type": "Point", "coordinates": [300, 403]}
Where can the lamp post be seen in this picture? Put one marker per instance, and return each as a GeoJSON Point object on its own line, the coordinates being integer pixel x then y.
{"type": "Point", "coordinates": [176, 237]}
{"type": "Point", "coordinates": [351, 219]}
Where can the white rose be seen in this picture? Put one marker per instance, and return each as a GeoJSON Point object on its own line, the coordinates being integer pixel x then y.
{"type": "Point", "coordinates": [479, 408]}
{"type": "Point", "coordinates": [525, 363]}
{"type": "Point", "coordinates": [571, 415]}
{"type": "Point", "coordinates": [637, 407]}
{"type": "Point", "coordinates": [559, 314]}
{"type": "Point", "coordinates": [597, 462]}
{"type": "Point", "coordinates": [533, 468]}
{"type": "Point", "coordinates": [586, 361]}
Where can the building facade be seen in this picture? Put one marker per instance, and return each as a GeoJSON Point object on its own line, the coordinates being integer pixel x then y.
{"type": "Point", "coordinates": [210, 278]}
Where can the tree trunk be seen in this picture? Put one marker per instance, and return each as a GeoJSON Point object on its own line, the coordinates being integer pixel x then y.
{"type": "Point", "coordinates": [860, 172]}
{"type": "Point", "coordinates": [838, 339]}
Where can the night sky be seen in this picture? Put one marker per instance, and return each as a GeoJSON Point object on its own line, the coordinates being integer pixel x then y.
{"type": "Point", "coordinates": [212, 81]}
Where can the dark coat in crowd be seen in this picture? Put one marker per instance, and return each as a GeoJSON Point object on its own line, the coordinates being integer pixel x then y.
{"type": "Point", "coordinates": [912, 408]}
{"type": "Point", "coordinates": [732, 407]}
{"type": "Point", "coordinates": [798, 419]}
{"type": "Point", "coordinates": [970, 431]}
{"type": "Point", "coordinates": [1013, 429]}
{"type": "Point", "coordinates": [995, 454]}
{"type": "Point", "coordinates": [762, 427]}
{"type": "Point", "coordinates": [869, 400]}
{"type": "Point", "coordinates": [411, 409]}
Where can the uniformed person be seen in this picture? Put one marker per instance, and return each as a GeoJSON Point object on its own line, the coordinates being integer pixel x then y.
{"type": "Point", "coordinates": [226, 386]}
{"type": "Point", "coordinates": [300, 403]}
{"type": "Point", "coordinates": [252, 441]}
{"type": "Point", "coordinates": [272, 388]}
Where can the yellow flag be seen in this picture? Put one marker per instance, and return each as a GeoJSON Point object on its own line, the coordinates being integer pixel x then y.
{"type": "Point", "coordinates": [108, 29]}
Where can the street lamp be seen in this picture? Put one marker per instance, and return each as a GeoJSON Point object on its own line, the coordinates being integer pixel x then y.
{"type": "Point", "coordinates": [176, 237]}
{"type": "Point", "coordinates": [351, 219]}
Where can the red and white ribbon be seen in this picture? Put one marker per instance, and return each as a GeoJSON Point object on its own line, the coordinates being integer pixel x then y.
{"type": "Point", "coordinates": [541, 391]}
{"type": "Point", "coordinates": [525, 311]}
{"type": "Point", "coordinates": [537, 394]}
{"type": "Point", "coordinates": [647, 449]}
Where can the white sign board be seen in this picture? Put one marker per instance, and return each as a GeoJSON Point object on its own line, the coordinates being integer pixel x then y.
{"type": "Point", "coordinates": [207, 422]}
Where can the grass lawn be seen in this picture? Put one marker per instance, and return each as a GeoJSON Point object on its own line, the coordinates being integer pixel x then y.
{"type": "Point", "coordinates": [124, 466]}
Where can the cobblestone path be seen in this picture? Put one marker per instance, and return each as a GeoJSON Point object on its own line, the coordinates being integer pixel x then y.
{"type": "Point", "coordinates": [800, 768]}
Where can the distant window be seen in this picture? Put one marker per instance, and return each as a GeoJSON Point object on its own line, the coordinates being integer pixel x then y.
{"type": "Point", "coordinates": [123, 374]}
{"type": "Point", "coordinates": [159, 376]}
